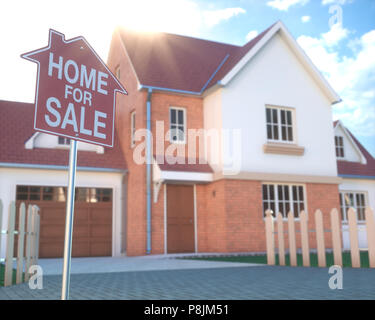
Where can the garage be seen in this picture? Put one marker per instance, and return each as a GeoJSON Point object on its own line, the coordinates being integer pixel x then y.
{"type": "Point", "coordinates": [92, 231]}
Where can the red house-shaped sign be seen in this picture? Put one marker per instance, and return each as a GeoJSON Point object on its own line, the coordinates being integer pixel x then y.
{"type": "Point", "coordinates": [75, 92]}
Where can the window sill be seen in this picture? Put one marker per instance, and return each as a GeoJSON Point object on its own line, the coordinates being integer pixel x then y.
{"type": "Point", "coordinates": [283, 148]}
{"type": "Point", "coordinates": [177, 142]}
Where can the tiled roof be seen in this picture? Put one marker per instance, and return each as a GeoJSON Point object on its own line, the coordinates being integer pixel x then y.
{"type": "Point", "coordinates": [16, 127]}
{"type": "Point", "coordinates": [350, 168]}
{"type": "Point", "coordinates": [181, 63]}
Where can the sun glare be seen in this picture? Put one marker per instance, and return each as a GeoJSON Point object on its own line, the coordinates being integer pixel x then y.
{"type": "Point", "coordinates": [182, 17]}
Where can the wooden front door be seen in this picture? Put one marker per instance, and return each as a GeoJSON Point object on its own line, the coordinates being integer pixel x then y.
{"type": "Point", "coordinates": [180, 219]}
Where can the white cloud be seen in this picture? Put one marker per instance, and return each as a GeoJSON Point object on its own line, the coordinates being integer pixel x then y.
{"type": "Point", "coordinates": [251, 35]}
{"type": "Point", "coordinates": [283, 5]}
{"type": "Point", "coordinates": [341, 2]}
{"type": "Point", "coordinates": [212, 18]}
{"type": "Point", "coordinates": [29, 29]}
{"type": "Point", "coordinates": [352, 77]}
{"type": "Point", "coordinates": [335, 35]}
{"type": "Point", "coordinates": [305, 19]}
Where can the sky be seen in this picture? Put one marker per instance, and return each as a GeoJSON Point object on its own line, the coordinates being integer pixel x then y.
{"type": "Point", "coordinates": [338, 36]}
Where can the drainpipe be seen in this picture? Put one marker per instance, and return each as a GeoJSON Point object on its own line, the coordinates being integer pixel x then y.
{"type": "Point", "coordinates": [148, 168]}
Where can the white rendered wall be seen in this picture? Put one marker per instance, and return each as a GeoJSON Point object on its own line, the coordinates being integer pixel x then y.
{"type": "Point", "coordinates": [275, 76]}
{"type": "Point", "coordinates": [11, 177]}
{"type": "Point", "coordinates": [212, 119]}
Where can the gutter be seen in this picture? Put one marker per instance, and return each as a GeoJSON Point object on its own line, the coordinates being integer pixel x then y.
{"type": "Point", "coordinates": [148, 170]}
{"type": "Point", "coordinates": [354, 176]}
{"type": "Point", "coordinates": [195, 93]}
{"type": "Point", "coordinates": [55, 167]}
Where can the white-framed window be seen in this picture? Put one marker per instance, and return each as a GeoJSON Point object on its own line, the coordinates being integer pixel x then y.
{"type": "Point", "coordinates": [132, 129]}
{"type": "Point", "coordinates": [354, 199]}
{"type": "Point", "coordinates": [279, 123]}
{"type": "Point", "coordinates": [63, 141]}
{"type": "Point", "coordinates": [283, 198]}
{"type": "Point", "coordinates": [339, 145]}
{"type": "Point", "coordinates": [177, 121]}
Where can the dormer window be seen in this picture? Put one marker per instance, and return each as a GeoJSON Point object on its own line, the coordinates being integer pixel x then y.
{"type": "Point", "coordinates": [339, 144]}
{"type": "Point", "coordinates": [63, 141]}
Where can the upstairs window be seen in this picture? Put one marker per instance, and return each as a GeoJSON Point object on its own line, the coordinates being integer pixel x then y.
{"type": "Point", "coordinates": [339, 144]}
{"type": "Point", "coordinates": [177, 125]}
{"type": "Point", "coordinates": [279, 122]}
{"type": "Point", "coordinates": [63, 141]}
{"type": "Point", "coordinates": [132, 129]}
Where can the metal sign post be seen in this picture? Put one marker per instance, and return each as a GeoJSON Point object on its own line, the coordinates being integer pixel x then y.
{"type": "Point", "coordinates": [73, 82]}
{"type": "Point", "coordinates": [69, 220]}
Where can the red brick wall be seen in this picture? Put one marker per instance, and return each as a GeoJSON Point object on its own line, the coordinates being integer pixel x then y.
{"type": "Point", "coordinates": [160, 104]}
{"type": "Point", "coordinates": [135, 100]}
{"type": "Point", "coordinates": [211, 217]}
{"type": "Point", "coordinates": [229, 214]}
{"type": "Point", "coordinates": [232, 220]}
{"type": "Point", "coordinates": [157, 224]}
{"type": "Point", "coordinates": [324, 197]}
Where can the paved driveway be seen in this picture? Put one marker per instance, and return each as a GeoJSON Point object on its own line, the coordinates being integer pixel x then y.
{"type": "Point", "coordinates": [256, 282]}
{"type": "Point", "coordinates": [126, 264]}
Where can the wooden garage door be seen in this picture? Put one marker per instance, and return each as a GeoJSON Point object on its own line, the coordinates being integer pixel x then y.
{"type": "Point", "coordinates": [180, 218]}
{"type": "Point", "coordinates": [92, 231]}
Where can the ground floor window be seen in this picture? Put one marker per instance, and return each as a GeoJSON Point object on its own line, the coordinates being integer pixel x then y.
{"type": "Point", "coordinates": [357, 200]}
{"type": "Point", "coordinates": [47, 193]}
{"type": "Point", "coordinates": [283, 198]}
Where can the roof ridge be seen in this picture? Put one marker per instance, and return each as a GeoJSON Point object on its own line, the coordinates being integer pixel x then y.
{"type": "Point", "coordinates": [180, 35]}
{"type": "Point", "coordinates": [159, 59]}
{"type": "Point", "coordinates": [365, 152]}
{"type": "Point", "coordinates": [12, 101]}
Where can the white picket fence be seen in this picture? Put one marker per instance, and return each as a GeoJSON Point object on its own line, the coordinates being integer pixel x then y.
{"type": "Point", "coordinates": [28, 241]}
{"type": "Point", "coordinates": [335, 231]}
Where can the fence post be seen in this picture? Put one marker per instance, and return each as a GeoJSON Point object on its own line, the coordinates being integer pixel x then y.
{"type": "Point", "coordinates": [28, 242]}
{"type": "Point", "coordinates": [320, 238]}
{"type": "Point", "coordinates": [353, 234]}
{"type": "Point", "coordinates": [370, 226]}
{"type": "Point", "coordinates": [336, 240]}
{"type": "Point", "coordinates": [8, 277]}
{"type": "Point", "coordinates": [33, 224]}
{"type": "Point", "coordinates": [292, 240]}
{"type": "Point", "coordinates": [21, 236]}
{"type": "Point", "coordinates": [280, 238]}
{"type": "Point", "coordinates": [304, 239]}
{"type": "Point", "coordinates": [270, 238]}
{"type": "Point", "coordinates": [37, 234]}
{"type": "Point", "coordinates": [1, 223]}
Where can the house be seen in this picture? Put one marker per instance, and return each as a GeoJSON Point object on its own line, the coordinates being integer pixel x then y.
{"type": "Point", "coordinates": [270, 109]}
{"type": "Point", "coordinates": [34, 169]}
{"type": "Point", "coordinates": [356, 167]}
{"type": "Point", "coordinates": [233, 131]}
